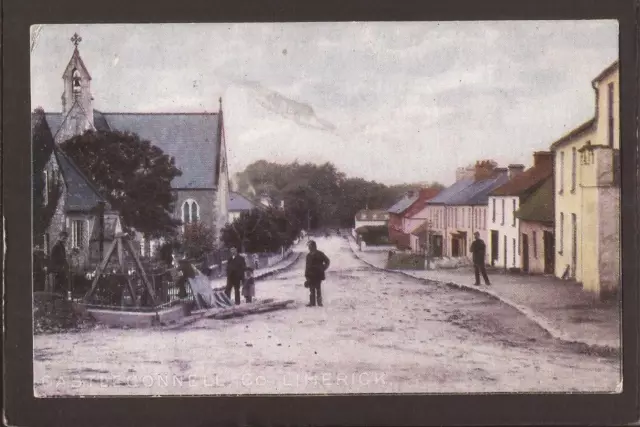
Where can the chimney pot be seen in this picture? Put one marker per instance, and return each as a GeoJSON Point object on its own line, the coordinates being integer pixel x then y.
{"type": "Point", "coordinates": [515, 170]}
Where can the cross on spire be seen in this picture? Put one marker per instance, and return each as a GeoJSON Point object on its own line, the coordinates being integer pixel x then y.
{"type": "Point", "coordinates": [76, 39]}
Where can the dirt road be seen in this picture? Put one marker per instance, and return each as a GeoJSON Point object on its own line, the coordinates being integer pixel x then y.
{"type": "Point", "coordinates": [378, 332]}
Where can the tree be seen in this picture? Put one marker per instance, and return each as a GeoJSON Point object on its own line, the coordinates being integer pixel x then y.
{"type": "Point", "coordinates": [260, 230]}
{"type": "Point", "coordinates": [133, 174]}
{"type": "Point", "coordinates": [319, 195]}
{"type": "Point", "coordinates": [197, 240]}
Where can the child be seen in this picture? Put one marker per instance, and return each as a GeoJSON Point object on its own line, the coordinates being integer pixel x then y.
{"type": "Point", "coordinates": [248, 285]}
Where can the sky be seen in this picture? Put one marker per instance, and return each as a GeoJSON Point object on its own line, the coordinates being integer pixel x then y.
{"type": "Point", "coordinates": [392, 102]}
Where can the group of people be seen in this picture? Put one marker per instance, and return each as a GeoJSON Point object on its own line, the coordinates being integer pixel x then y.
{"type": "Point", "coordinates": [240, 276]}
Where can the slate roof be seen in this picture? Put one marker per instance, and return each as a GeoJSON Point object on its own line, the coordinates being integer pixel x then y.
{"type": "Point", "coordinates": [448, 193]}
{"type": "Point", "coordinates": [525, 182]}
{"type": "Point", "coordinates": [237, 202]}
{"type": "Point", "coordinates": [540, 206]}
{"type": "Point", "coordinates": [478, 192]}
{"type": "Point", "coordinates": [82, 196]}
{"type": "Point", "coordinates": [191, 138]}
{"type": "Point", "coordinates": [403, 204]}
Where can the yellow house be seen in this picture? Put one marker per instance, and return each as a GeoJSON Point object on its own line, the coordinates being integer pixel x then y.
{"type": "Point", "coordinates": [587, 194]}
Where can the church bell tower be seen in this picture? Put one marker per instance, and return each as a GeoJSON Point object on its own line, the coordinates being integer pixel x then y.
{"type": "Point", "coordinates": [77, 101]}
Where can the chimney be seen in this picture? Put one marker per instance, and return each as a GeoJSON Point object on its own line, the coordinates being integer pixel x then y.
{"type": "Point", "coordinates": [542, 158]}
{"type": "Point", "coordinates": [410, 193]}
{"type": "Point", "coordinates": [483, 171]}
{"type": "Point", "coordinates": [515, 170]}
{"type": "Point", "coordinates": [425, 193]}
{"type": "Point", "coordinates": [465, 173]}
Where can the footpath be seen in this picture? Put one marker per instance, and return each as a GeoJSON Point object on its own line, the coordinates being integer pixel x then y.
{"type": "Point", "coordinates": [559, 307]}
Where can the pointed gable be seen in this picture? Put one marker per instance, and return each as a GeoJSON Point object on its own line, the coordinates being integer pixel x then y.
{"type": "Point", "coordinates": [76, 62]}
{"type": "Point", "coordinates": [82, 195]}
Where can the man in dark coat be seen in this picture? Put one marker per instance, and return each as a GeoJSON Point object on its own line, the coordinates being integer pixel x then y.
{"type": "Point", "coordinates": [479, 249]}
{"type": "Point", "coordinates": [317, 264]}
{"type": "Point", "coordinates": [59, 264]}
{"type": "Point", "coordinates": [236, 267]}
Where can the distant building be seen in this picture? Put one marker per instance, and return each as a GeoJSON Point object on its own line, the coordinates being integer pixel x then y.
{"type": "Point", "coordinates": [587, 193]}
{"type": "Point", "coordinates": [237, 204]}
{"type": "Point", "coordinates": [506, 245]}
{"type": "Point", "coordinates": [371, 217]}
{"type": "Point", "coordinates": [457, 212]}
{"type": "Point", "coordinates": [402, 215]}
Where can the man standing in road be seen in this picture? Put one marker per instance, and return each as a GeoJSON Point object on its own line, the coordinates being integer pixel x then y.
{"type": "Point", "coordinates": [478, 249]}
{"type": "Point", "coordinates": [59, 264]}
{"type": "Point", "coordinates": [236, 267]}
{"type": "Point", "coordinates": [317, 264]}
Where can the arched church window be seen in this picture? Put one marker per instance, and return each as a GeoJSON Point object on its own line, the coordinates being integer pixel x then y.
{"type": "Point", "coordinates": [190, 211]}
{"type": "Point", "coordinates": [195, 215]}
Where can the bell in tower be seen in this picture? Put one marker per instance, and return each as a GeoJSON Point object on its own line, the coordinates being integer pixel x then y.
{"type": "Point", "coordinates": [77, 87]}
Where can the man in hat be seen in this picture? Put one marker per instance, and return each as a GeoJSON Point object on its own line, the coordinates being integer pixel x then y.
{"type": "Point", "coordinates": [317, 264]}
{"type": "Point", "coordinates": [59, 263]}
{"type": "Point", "coordinates": [478, 249]}
{"type": "Point", "coordinates": [236, 267]}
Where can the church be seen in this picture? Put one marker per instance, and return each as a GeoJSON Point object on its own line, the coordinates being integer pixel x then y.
{"type": "Point", "coordinates": [195, 140]}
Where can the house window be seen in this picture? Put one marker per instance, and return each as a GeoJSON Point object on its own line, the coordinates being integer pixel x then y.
{"type": "Point", "coordinates": [561, 245]}
{"type": "Point", "coordinates": [513, 213]}
{"type": "Point", "coordinates": [77, 233]}
{"type": "Point", "coordinates": [535, 245]}
{"type": "Point", "coordinates": [190, 211]}
{"type": "Point", "coordinates": [610, 113]}
{"type": "Point", "coordinates": [573, 169]}
{"type": "Point", "coordinates": [561, 174]}
{"type": "Point", "coordinates": [514, 252]}
{"type": "Point", "coordinates": [493, 211]}
{"type": "Point", "coordinates": [503, 212]}
{"type": "Point", "coordinates": [469, 218]}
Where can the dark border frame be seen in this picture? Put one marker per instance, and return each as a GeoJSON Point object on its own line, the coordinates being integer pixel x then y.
{"type": "Point", "coordinates": [23, 409]}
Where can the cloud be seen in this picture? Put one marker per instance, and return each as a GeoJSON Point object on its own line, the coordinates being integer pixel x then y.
{"type": "Point", "coordinates": [387, 101]}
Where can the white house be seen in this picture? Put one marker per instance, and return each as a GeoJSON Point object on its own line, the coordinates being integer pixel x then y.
{"type": "Point", "coordinates": [371, 217]}
{"type": "Point", "coordinates": [238, 204]}
{"type": "Point", "coordinates": [504, 245]}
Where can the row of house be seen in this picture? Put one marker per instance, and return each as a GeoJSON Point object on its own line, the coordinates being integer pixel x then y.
{"type": "Point", "coordinates": [561, 216]}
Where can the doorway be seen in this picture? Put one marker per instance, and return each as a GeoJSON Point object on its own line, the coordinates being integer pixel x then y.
{"type": "Point", "coordinates": [455, 247]}
{"type": "Point", "coordinates": [574, 245]}
{"type": "Point", "coordinates": [504, 245]}
{"type": "Point", "coordinates": [549, 252]}
{"type": "Point", "coordinates": [436, 246]}
{"type": "Point", "coordinates": [494, 246]}
{"type": "Point", "coordinates": [525, 252]}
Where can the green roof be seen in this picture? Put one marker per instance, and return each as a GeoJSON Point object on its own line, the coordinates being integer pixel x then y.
{"type": "Point", "coordinates": [539, 206]}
